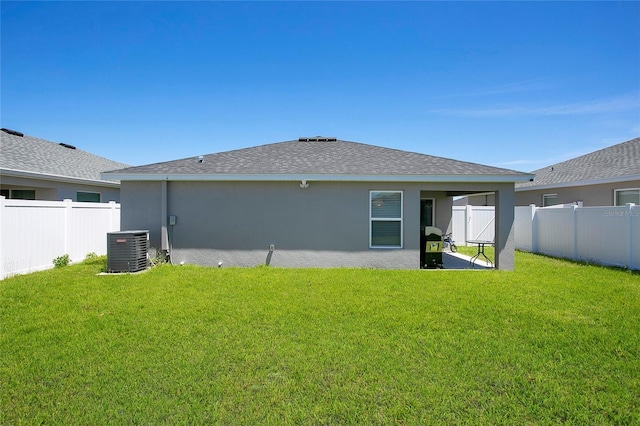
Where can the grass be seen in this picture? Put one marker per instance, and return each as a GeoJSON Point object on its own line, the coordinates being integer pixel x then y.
{"type": "Point", "coordinates": [489, 251]}
{"type": "Point", "coordinates": [553, 342]}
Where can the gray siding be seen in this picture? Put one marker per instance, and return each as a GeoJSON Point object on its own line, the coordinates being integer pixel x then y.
{"type": "Point", "coordinates": [50, 190]}
{"type": "Point", "coordinates": [477, 200]}
{"type": "Point", "coordinates": [238, 216]}
{"type": "Point", "coordinates": [325, 225]}
{"type": "Point", "coordinates": [504, 237]}
{"type": "Point", "coordinates": [140, 207]}
{"type": "Point", "coordinates": [590, 195]}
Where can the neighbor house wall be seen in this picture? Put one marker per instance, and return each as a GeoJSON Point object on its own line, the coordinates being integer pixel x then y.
{"type": "Point", "coordinates": [590, 195]}
{"type": "Point", "coordinates": [51, 190]}
{"type": "Point", "coordinates": [477, 200]}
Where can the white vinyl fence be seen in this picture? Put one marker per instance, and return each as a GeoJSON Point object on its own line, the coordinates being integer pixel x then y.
{"type": "Point", "coordinates": [604, 235]}
{"type": "Point", "coordinates": [33, 233]}
{"type": "Point", "coordinates": [473, 223]}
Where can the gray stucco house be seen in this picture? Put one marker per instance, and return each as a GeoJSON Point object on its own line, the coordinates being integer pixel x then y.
{"type": "Point", "coordinates": [607, 177]}
{"type": "Point", "coordinates": [37, 169]}
{"type": "Point", "coordinates": [310, 202]}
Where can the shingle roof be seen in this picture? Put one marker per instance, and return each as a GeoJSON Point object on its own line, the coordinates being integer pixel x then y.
{"type": "Point", "coordinates": [333, 157]}
{"type": "Point", "coordinates": [35, 155]}
{"type": "Point", "coordinates": [617, 162]}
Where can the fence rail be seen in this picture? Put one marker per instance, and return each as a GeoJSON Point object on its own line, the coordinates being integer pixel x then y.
{"type": "Point", "coordinates": [33, 233]}
{"type": "Point", "coordinates": [604, 235]}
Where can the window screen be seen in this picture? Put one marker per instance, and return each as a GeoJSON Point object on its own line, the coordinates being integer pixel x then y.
{"type": "Point", "coordinates": [23, 194]}
{"type": "Point", "coordinates": [624, 196]}
{"type": "Point", "coordinates": [385, 219]}
{"type": "Point", "coordinates": [88, 197]}
{"type": "Point", "coordinates": [549, 200]}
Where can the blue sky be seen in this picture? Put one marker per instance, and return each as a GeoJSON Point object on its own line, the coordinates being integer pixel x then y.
{"type": "Point", "coordinates": [519, 85]}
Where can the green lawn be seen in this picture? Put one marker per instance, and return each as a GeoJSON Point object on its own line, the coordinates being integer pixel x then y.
{"type": "Point", "coordinates": [552, 342]}
{"type": "Point", "coordinates": [473, 250]}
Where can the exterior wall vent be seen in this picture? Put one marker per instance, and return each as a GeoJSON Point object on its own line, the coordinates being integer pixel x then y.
{"type": "Point", "coordinates": [317, 139]}
{"type": "Point", "coordinates": [12, 132]}
{"type": "Point", "coordinates": [127, 251]}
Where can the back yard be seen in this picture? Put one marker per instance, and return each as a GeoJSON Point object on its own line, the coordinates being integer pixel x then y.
{"type": "Point", "coordinates": [553, 342]}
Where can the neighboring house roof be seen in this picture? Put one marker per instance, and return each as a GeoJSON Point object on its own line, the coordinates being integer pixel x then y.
{"type": "Point", "coordinates": [318, 158]}
{"type": "Point", "coordinates": [617, 163]}
{"type": "Point", "coordinates": [28, 156]}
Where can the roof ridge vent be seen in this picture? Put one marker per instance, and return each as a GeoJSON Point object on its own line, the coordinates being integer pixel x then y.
{"type": "Point", "coordinates": [12, 132]}
{"type": "Point", "coordinates": [318, 139]}
{"type": "Point", "coordinates": [66, 145]}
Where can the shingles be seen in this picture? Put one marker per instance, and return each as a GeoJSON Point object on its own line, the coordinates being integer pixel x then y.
{"type": "Point", "coordinates": [331, 158]}
{"type": "Point", "coordinates": [617, 161]}
{"type": "Point", "coordinates": [36, 155]}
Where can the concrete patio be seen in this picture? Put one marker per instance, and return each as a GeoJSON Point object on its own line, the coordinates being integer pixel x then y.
{"type": "Point", "coordinates": [457, 261]}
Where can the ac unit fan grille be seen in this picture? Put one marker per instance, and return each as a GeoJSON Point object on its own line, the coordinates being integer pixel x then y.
{"type": "Point", "coordinates": [127, 251]}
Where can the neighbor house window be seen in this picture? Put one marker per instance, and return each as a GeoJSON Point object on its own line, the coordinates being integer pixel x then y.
{"type": "Point", "coordinates": [23, 194]}
{"type": "Point", "coordinates": [385, 219]}
{"type": "Point", "coordinates": [624, 196]}
{"type": "Point", "coordinates": [88, 197]}
{"type": "Point", "coordinates": [549, 200]}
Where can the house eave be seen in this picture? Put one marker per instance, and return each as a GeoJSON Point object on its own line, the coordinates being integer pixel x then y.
{"type": "Point", "coordinates": [630, 178]}
{"type": "Point", "coordinates": [58, 178]}
{"type": "Point", "coordinates": [318, 177]}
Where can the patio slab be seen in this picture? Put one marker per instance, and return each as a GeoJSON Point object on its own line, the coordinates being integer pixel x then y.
{"type": "Point", "coordinates": [457, 261]}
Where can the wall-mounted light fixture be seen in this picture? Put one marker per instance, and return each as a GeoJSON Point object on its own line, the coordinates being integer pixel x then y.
{"type": "Point", "coordinates": [304, 184]}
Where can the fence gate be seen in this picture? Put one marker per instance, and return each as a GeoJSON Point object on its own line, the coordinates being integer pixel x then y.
{"type": "Point", "coordinates": [473, 223]}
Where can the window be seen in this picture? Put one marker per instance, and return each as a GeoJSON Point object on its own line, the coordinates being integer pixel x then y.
{"type": "Point", "coordinates": [624, 196]}
{"type": "Point", "coordinates": [23, 194]}
{"type": "Point", "coordinates": [549, 200]}
{"type": "Point", "coordinates": [88, 197]}
{"type": "Point", "coordinates": [385, 214]}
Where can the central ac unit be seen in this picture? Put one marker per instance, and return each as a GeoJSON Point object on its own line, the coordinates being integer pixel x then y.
{"type": "Point", "coordinates": [127, 251]}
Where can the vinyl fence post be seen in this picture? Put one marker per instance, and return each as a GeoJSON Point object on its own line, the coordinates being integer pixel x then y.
{"type": "Point", "coordinates": [2, 232]}
{"type": "Point", "coordinates": [67, 226]}
{"type": "Point", "coordinates": [533, 229]}
{"type": "Point", "coordinates": [575, 232]}
{"type": "Point", "coordinates": [629, 214]}
{"type": "Point", "coordinates": [112, 216]}
{"type": "Point", "coordinates": [468, 214]}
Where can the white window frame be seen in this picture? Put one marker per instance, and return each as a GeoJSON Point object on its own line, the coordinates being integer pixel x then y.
{"type": "Point", "coordinates": [547, 195]}
{"type": "Point", "coordinates": [379, 219]}
{"type": "Point", "coordinates": [615, 194]}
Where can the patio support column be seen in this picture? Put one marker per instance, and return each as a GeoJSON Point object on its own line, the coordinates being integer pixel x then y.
{"type": "Point", "coordinates": [504, 232]}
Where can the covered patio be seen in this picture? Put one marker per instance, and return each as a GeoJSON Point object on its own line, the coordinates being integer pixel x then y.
{"type": "Point", "coordinates": [458, 261]}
